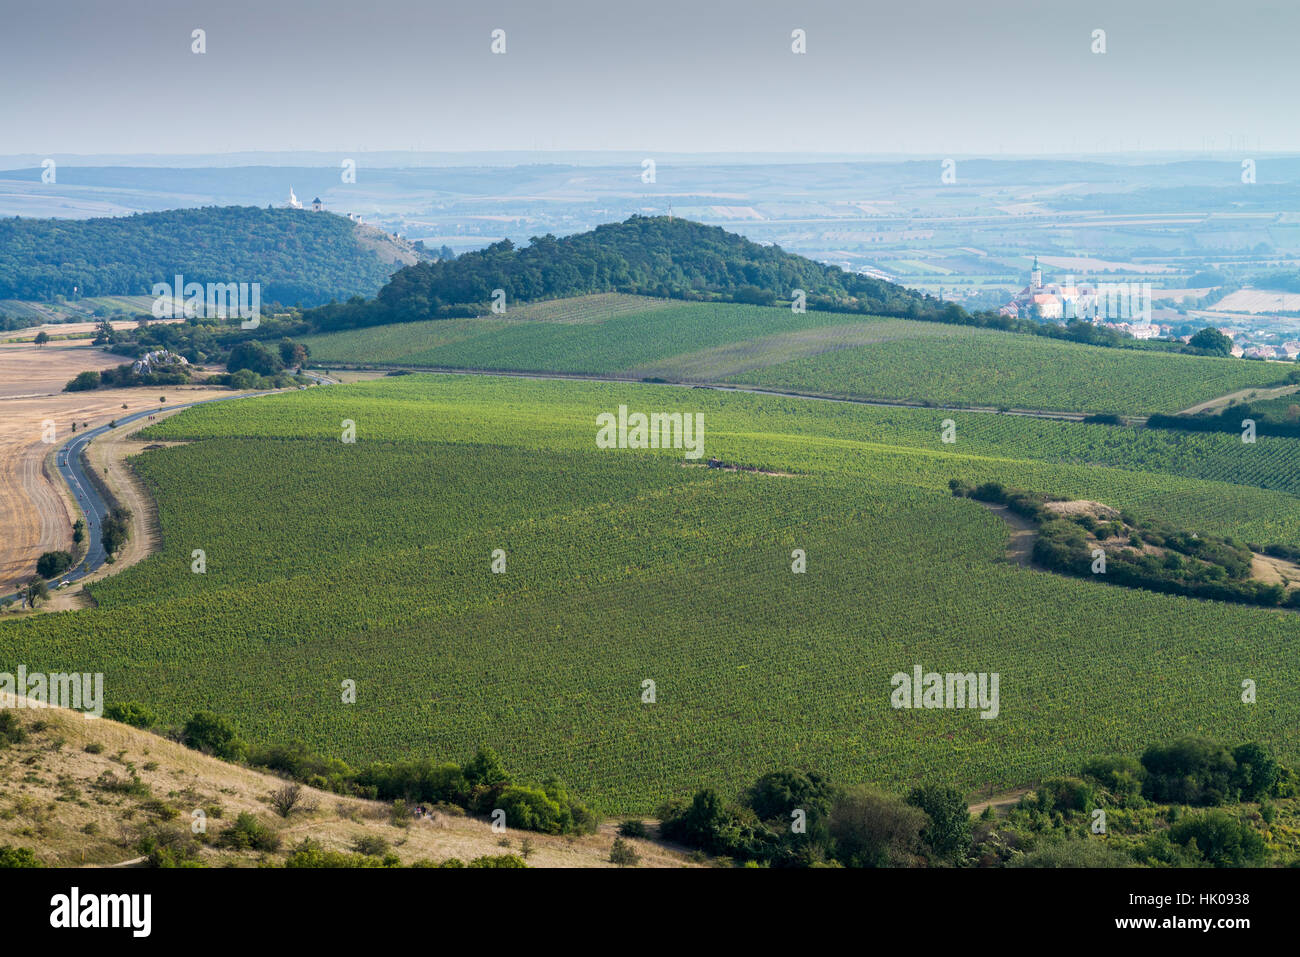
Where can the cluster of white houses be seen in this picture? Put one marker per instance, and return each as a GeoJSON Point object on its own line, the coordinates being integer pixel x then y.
{"type": "Point", "coordinates": [1287, 351]}
{"type": "Point", "coordinates": [1120, 305]}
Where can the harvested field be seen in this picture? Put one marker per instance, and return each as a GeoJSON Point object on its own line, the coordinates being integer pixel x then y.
{"type": "Point", "coordinates": [27, 369]}
{"type": "Point", "coordinates": [36, 512]}
{"type": "Point", "coordinates": [1259, 300]}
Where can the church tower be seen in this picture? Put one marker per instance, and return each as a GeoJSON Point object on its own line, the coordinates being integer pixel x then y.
{"type": "Point", "coordinates": [1036, 277]}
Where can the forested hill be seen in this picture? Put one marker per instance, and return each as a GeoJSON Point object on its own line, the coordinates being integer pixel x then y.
{"type": "Point", "coordinates": [298, 256]}
{"type": "Point", "coordinates": [655, 256]}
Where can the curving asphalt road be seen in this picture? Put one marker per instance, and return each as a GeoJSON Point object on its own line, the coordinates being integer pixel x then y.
{"type": "Point", "coordinates": [72, 467]}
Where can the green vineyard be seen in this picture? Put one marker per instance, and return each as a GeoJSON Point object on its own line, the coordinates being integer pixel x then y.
{"type": "Point", "coordinates": [329, 561]}
{"type": "Point", "coordinates": [823, 353]}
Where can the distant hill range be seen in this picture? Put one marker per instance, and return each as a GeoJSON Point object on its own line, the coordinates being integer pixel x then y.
{"type": "Point", "coordinates": [654, 256]}
{"type": "Point", "coordinates": [300, 257]}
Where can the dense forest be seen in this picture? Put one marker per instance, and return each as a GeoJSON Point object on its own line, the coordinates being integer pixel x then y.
{"type": "Point", "coordinates": [299, 257]}
{"type": "Point", "coordinates": [652, 256]}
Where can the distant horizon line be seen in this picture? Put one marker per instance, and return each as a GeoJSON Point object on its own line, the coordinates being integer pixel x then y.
{"type": "Point", "coordinates": [520, 157]}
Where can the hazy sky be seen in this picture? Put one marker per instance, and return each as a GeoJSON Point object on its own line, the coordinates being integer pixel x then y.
{"type": "Point", "coordinates": [917, 76]}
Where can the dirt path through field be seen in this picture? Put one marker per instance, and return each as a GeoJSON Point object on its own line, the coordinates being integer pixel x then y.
{"type": "Point", "coordinates": [1006, 799]}
{"type": "Point", "coordinates": [1217, 405]}
{"type": "Point", "coordinates": [1020, 548]}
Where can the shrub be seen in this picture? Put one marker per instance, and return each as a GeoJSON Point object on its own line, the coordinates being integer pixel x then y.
{"type": "Point", "coordinates": [371, 844]}
{"type": "Point", "coordinates": [1065, 794]}
{"type": "Point", "coordinates": [417, 780]}
{"type": "Point", "coordinates": [1188, 771]}
{"type": "Point", "coordinates": [310, 854]}
{"type": "Point", "coordinates": [698, 824]}
{"type": "Point", "coordinates": [11, 729]}
{"type": "Point", "coordinates": [84, 382]}
{"type": "Point", "coordinates": [1257, 774]}
{"type": "Point", "coordinates": [948, 834]}
{"type": "Point", "coordinates": [874, 829]}
{"type": "Point", "coordinates": [1220, 838]}
{"type": "Point", "coordinates": [400, 814]}
{"type": "Point", "coordinates": [286, 798]}
{"type": "Point", "coordinates": [132, 713]}
{"type": "Point", "coordinates": [531, 809]}
{"type": "Point", "coordinates": [248, 833]}
{"type": "Point", "coordinates": [632, 828]}
{"type": "Point", "coordinates": [989, 492]}
{"type": "Point", "coordinates": [169, 846]}
{"type": "Point", "coordinates": [1075, 852]}
{"type": "Point", "coordinates": [18, 857]}
{"type": "Point", "coordinates": [297, 761]}
{"type": "Point", "coordinates": [623, 854]}
{"type": "Point", "coordinates": [213, 734]}
{"type": "Point", "coordinates": [1122, 777]}
{"type": "Point", "coordinates": [108, 781]}
{"type": "Point", "coordinates": [485, 768]}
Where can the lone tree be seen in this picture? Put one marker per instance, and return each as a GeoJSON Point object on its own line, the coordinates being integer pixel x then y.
{"type": "Point", "coordinates": [1212, 341]}
{"type": "Point", "coordinates": [42, 337]}
{"type": "Point", "coordinates": [54, 563]}
{"type": "Point", "coordinates": [35, 591]}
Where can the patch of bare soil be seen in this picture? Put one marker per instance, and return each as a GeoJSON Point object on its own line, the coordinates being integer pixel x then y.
{"type": "Point", "coordinates": [1275, 571]}
{"type": "Point", "coordinates": [1020, 548]}
{"type": "Point", "coordinates": [1083, 507]}
{"type": "Point", "coordinates": [28, 370]}
{"type": "Point", "coordinates": [1006, 799]}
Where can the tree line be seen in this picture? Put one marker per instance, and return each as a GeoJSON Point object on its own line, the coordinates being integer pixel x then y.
{"type": "Point", "coordinates": [297, 256]}
{"type": "Point", "coordinates": [796, 817]}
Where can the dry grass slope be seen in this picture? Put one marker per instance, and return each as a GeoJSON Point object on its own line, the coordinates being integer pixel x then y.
{"type": "Point", "coordinates": [52, 800]}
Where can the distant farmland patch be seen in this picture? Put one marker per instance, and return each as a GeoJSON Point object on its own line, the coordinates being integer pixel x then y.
{"type": "Point", "coordinates": [1259, 300]}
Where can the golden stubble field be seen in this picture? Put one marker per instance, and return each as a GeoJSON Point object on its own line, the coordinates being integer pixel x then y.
{"type": "Point", "coordinates": [36, 511]}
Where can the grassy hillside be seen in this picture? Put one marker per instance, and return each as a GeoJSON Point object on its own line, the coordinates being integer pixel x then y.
{"type": "Point", "coordinates": [298, 256]}
{"type": "Point", "coordinates": [371, 562]}
{"type": "Point", "coordinates": [818, 352]}
{"type": "Point", "coordinates": [100, 793]}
